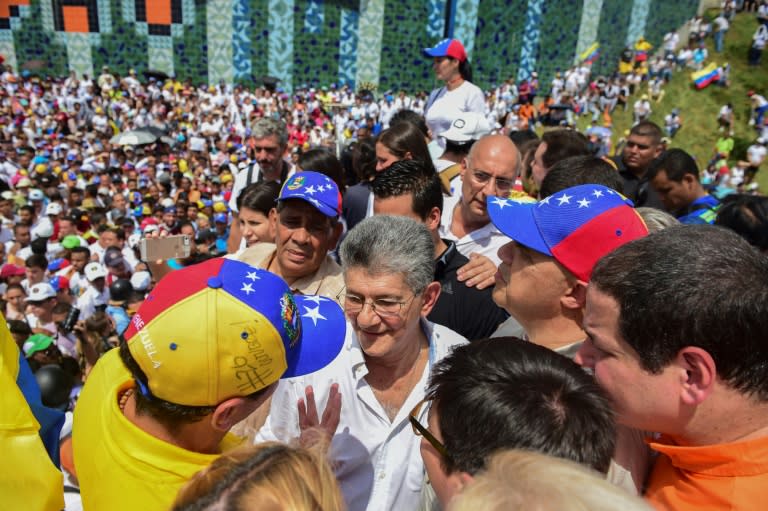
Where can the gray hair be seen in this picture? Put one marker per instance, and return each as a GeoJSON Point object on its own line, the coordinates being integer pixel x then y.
{"type": "Point", "coordinates": [656, 219]}
{"type": "Point", "coordinates": [386, 244]}
{"type": "Point", "coordinates": [267, 126]}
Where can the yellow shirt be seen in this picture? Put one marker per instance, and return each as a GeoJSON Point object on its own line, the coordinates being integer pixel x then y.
{"type": "Point", "coordinates": [29, 481]}
{"type": "Point", "coordinates": [119, 466]}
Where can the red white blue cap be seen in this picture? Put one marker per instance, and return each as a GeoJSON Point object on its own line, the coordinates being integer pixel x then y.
{"type": "Point", "coordinates": [576, 226]}
{"type": "Point", "coordinates": [221, 329]}
{"type": "Point", "coordinates": [448, 48]}
{"type": "Point", "coordinates": [315, 188]}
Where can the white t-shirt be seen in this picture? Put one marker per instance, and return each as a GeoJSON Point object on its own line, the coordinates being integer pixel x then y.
{"type": "Point", "coordinates": [445, 106]}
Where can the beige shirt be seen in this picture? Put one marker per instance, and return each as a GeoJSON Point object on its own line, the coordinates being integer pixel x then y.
{"type": "Point", "coordinates": [327, 281]}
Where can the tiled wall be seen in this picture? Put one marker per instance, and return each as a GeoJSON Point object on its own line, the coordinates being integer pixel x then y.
{"type": "Point", "coordinates": [316, 42]}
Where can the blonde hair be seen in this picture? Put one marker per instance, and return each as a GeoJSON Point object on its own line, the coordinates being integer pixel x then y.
{"type": "Point", "coordinates": [269, 476]}
{"type": "Point", "coordinates": [521, 480]}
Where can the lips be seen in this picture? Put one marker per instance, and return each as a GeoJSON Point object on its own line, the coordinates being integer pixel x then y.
{"type": "Point", "coordinates": [297, 256]}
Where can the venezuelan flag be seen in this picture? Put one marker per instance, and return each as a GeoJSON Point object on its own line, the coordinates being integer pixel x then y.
{"type": "Point", "coordinates": [591, 54]}
{"type": "Point", "coordinates": [704, 77]}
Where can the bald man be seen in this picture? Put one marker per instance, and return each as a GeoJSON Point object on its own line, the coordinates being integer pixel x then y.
{"type": "Point", "coordinates": [489, 169]}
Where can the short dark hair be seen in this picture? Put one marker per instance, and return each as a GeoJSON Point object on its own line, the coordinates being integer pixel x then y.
{"type": "Point", "coordinates": [693, 285]}
{"type": "Point", "coordinates": [580, 170]}
{"type": "Point", "coordinates": [324, 161]}
{"type": "Point", "coordinates": [525, 396]}
{"type": "Point", "coordinates": [521, 137]}
{"type": "Point", "coordinates": [261, 197]}
{"type": "Point", "coordinates": [747, 215]}
{"type": "Point", "coordinates": [410, 177]}
{"type": "Point", "coordinates": [676, 163]}
{"type": "Point", "coordinates": [81, 250]}
{"type": "Point", "coordinates": [562, 144]}
{"type": "Point", "coordinates": [36, 261]}
{"type": "Point", "coordinates": [647, 129]}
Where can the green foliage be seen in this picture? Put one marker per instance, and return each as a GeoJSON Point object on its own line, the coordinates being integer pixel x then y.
{"type": "Point", "coordinates": [699, 108]}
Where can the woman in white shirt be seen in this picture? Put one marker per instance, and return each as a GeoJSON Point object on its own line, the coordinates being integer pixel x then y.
{"type": "Point", "coordinates": [458, 95]}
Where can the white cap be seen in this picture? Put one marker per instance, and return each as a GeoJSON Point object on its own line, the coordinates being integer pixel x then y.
{"type": "Point", "coordinates": [151, 228]}
{"type": "Point", "coordinates": [36, 194]}
{"type": "Point", "coordinates": [760, 140]}
{"type": "Point", "coordinates": [39, 292]}
{"type": "Point", "coordinates": [44, 229]}
{"type": "Point", "coordinates": [141, 280]}
{"type": "Point", "coordinates": [468, 126]}
{"type": "Point", "coordinates": [54, 208]}
{"type": "Point", "coordinates": [94, 271]}
{"type": "Point", "coordinates": [167, 202]}
{"type": "Point", "coordinates": [134, 239]}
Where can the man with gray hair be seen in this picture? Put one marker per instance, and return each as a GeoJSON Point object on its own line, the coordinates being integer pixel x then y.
{"type": "Point", "coordinates": [382, 374]}
{"type": "Point", "coordinates": [269, 139]}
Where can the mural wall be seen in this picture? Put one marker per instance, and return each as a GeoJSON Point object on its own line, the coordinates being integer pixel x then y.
{"type": "Point", "coordinates": [318, 42]}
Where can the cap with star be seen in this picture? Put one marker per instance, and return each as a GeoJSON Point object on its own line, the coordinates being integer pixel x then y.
{"type": "Point", "coordinates": [315, 188]}
{"type": "Point", "coordinates": [222, 329]}
{"type": "Point", "coordinates": [576, 226]}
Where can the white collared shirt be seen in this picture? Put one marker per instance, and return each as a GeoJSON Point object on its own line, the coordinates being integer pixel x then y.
{"type": "Point", "coordinates": [377, 461]}
{"type": "Point", "coordinates": [486, 241]}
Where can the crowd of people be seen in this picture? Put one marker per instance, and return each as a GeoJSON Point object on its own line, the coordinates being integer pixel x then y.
{"type": "Point", "coordinates": [230, 297]}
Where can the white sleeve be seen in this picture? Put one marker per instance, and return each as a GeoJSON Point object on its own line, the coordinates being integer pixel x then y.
{"type": "Point", "coordinates": [476, 101]}
{"type": "Point", "coordinates": [282, 423]}
{"type": "Point", "coordinates": [240, 184]}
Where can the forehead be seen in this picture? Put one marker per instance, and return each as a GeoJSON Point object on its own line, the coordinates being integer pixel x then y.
{"type": "Point", "coordinates": [361, 281]}
{"type": "Point", "coordinates": [493, 160]}
{"type": "Point", "coordinates": [641, 139]}
{"type": "Point", "coordinates": [302, 208]}
{"type": "Point", "coordinates": [400, 205]}
{"type": "Point", "coordinates": [601, 315]}
{"type": "Point", "coordinates": [270, 141]}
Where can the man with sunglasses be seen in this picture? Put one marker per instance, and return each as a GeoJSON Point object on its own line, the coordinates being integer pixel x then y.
{"type": "Point", "coordinates": [642, 147]}
{"type": "Point", "coordinates": [381, 373]}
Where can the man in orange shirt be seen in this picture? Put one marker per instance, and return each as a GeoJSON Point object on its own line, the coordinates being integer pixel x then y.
{"type": "Point", "coordinates": [676, 325]}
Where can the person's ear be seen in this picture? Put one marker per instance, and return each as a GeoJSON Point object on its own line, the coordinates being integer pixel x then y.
{"type": "Point", "coordinates": [273, 218]}
{"type": "Point", "coordinates": [575, 296]}
{"type": "Point", "coordinates": [236, 409]}
{"type": "Point", "coordinates": [433, 219]}
{"type": "Point", "coordinates": [408, 156]}
{"type": "Point", "coordinates": [430, 296]}
{"type": "Point", "coordinates": [338, 230]}
{"type": "Point", "coordinates": [464, 167]}
{"type": "Point", "coordinates": [698, 374]}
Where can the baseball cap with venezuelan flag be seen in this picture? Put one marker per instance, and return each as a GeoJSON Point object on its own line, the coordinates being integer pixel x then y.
{"type": "Point", "coordinates": [576, 226]}
{"type": "Point", "coordinates": [222, 329]}
{"type": "Point", "coordinates": [448, 48]}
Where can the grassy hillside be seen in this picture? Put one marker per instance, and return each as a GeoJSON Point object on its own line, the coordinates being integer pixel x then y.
{"type": "Point", "coordinates": [699, 108]}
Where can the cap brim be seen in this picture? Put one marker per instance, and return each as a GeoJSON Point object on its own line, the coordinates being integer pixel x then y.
{"type": "Point", "coordinates": [321, 207]}
{"type": "Point", "coordinates": [324, 329]}
{"type": "Point", "coordinates": [515, 219]}
{"type": "Point", "coordinates": [455, 136]}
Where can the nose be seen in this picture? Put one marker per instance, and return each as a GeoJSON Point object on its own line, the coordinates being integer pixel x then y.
{"type": "Point", "coordinates": [505, 252]}
{"type": "Point", "coordinates": [301, 236]}
{"type": "Point", "coordinates": [367, 318]}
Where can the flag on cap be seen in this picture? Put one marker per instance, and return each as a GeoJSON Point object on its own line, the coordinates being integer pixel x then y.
{"type": "Point", "coordinates": [248, 331]}
{"type": "Point", "coordinates": [577, 226]}
{"type": "Point", "coordinates": [315, 188]}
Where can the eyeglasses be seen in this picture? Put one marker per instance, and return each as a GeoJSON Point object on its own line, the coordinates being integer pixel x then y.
{"type": "Point", "coordinates": [420, 430]}
{"type": "Point", "coordinates": [384, 307]}
{"type": "Point", "coordinates": [502, 184]}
